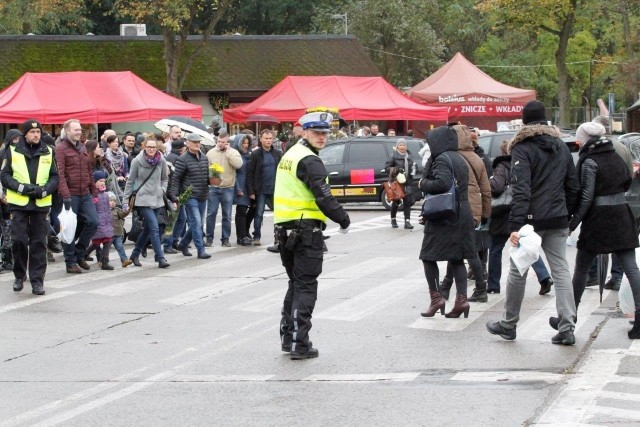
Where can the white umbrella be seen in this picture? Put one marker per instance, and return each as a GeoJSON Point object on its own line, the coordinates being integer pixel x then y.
{"type": "Point", "coordinates": [188, 125]}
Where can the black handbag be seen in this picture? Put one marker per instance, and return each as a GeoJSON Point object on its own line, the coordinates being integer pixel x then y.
{"type": "Point", "coordinates": [443, 206]}
{"type": "Point", "coordinates": [137, 224]}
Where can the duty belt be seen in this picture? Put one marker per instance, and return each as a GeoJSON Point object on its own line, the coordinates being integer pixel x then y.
{"type": "Point", "coordinates": [610, 200]}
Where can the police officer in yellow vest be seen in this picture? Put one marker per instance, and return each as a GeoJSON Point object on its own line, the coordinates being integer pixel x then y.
{"type": "Point", "coordinates": [302, 202]}
{"type": "Point", "coordinates": [29, 175]}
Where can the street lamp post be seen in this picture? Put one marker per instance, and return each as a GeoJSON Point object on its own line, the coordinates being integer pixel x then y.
{"type": "Point", "coordinates": [344, 17]}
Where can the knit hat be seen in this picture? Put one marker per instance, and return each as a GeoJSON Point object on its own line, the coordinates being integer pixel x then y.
{"type": "Point", "coordinates": [534, 112]}
{"type": "Point", "coordinates": [588, 130]}
{"type": "Point", "coordinates": [30, 124]}
{"type": "Point", "coordinates": [98, 175]}
{"type": "Point", "coordinates": [112, 195]}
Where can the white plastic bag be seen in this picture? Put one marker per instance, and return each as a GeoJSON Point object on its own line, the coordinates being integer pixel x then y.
{"type": "Point", "coordinates": [68, 223]}
{"type": "Point", "coordinates": [528, 250]}
{"type": "Point", "coordinates": [572, 240]}
{"type": "Point", "coordinates": [627, 305]}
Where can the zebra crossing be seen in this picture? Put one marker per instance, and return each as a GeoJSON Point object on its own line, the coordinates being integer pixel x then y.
{"type": "Point", "coordinates": [340, 274]}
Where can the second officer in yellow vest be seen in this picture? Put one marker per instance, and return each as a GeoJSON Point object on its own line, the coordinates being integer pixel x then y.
{"type": "Point", "coordinates": [29, 175]}
{"type": "Point", "coordinates": [302, 203]}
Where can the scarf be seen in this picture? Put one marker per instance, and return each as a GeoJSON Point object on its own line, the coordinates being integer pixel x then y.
{"type": "Point", "coordinates": [116, 160]}
{"type": "Point", "coordinates": [152, 160]}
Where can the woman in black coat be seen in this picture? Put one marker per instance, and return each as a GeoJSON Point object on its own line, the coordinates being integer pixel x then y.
{"type": "Point", "coordinates": [452, 240]}
{"type": "Point", "coordinates": [608, 225]}
{"type": "Point", "coordinates": [401, 162]}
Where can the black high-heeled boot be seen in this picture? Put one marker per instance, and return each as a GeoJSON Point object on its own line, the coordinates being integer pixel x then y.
{"type": "Point", "coordinates": [461, 306]}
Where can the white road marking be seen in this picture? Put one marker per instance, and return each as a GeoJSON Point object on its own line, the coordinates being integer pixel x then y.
{"type": "Point", "coordinates": [583, 390]}
{"type": "Point", "coordinates": [34, 300]}
{"type": "Point", "coordinates": [131, 286]}
{"type": "Point", "coordinates": [625, 414]}
{"type": "Point", "coordinates": [374, 299]}
{"type": "Point", "coordinates": [401, 376]}
{"type": "Point", "coordinates": [441, 323]}
{"type": "Point", "coordinates": [204, 293]}
{"type": "Point", "coordinates": [207, 350]}
{"type": "Point", "coordinates": [633, 397]}
{"type": "Point", "coordinates": [531, 328]}
{"type": "Point", "coordinates": [509, 376]}
{"type": "Point", "coordinates": [273, 300]}
{"type": "Point", "coordinates": [220, 378]}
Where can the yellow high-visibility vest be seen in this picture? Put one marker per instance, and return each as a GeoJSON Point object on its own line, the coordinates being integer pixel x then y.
{"type": "Point", "coordinates": [292, 199]}
{"type": "Point", "coordinates": [21, 174]}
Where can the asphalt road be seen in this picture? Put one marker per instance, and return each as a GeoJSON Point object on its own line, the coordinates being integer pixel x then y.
{"type": "Point", "coordinates": [197, 344]}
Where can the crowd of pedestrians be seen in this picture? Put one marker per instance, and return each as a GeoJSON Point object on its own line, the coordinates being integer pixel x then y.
{"type": "Point", "coordinates": [167, 180]}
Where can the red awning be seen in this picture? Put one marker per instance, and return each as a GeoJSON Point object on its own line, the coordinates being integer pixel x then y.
{"type": "Point", "coordinates": [469, 92]}
{"type": "Point", "coordinates": [357, 98]}
{"type": "Point", "coordinates": [91, 97]}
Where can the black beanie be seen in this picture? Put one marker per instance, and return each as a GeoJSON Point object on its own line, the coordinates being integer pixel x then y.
{"type": "Point", "coordinates": [533, 112]}
{"type": "Point", "coordinates": [30, 124]}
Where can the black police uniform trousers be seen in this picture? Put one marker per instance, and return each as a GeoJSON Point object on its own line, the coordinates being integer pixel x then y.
{"type": "Point", "coordinates": [29, 230]}
{"type": "Point", "coordinates": [302, 259]}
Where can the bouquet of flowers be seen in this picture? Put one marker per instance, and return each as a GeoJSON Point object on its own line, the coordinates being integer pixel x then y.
{"type": "Point", "coordinates": [215, 173]}
{"type": "Point", "coordinates": [172, 216]}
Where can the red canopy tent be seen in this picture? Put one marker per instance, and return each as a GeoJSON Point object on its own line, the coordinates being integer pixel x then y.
{"type": "Point", "coordinates": [472, 96]}
{"type": "Point", "coordinates": [357, 98]}
{"type": "Point", "coordinates": [91, 97]}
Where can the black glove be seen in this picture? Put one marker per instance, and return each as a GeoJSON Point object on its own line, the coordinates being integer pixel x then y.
{"type": "Point", "coordinates": [67, 204]}
{"type": "Point", "coordinates": [40, 192]}
{"type": "Point", "coordinates": [29, 190]}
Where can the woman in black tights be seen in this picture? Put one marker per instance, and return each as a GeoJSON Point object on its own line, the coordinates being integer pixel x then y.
{"type": "Point", "coordinates": [447, 240]}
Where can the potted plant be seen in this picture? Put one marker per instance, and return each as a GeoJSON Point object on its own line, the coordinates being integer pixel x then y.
{"type": "Point", "coordinates": [215, 173]}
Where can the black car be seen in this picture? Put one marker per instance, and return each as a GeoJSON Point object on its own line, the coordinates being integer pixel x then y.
{"type": "Point", "coordinates": [356, 167]}
{"type": "Point", "coordinates": [491, 142]}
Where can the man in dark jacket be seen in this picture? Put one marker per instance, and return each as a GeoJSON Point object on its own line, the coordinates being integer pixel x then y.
{"type": "Point", "coordinates": [77, 189]}
{"type": "Point", "coordinates": [30, 176]}
{"type": "Point", "coordinates": [545, 188]}
{"type": "Point", "coordinates": [261, 178]}
{"type": "Point", "coordinates": [192, 170]}
{"type": "Point", "coordinates": [177, 149]}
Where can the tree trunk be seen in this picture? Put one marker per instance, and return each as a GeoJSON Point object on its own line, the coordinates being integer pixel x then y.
{"type": "Point", "coordinates": [634, 74]}
{"type": "Point", "coordinates": [564, 84]}
{"type": "Point", "coordinates": [172, 54]}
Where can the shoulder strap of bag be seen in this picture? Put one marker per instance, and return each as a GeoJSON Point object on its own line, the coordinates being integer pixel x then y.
{"type": "Point", "coordinates": [474, 171]}
{"type": "Point", "coordinates": [147, 178]}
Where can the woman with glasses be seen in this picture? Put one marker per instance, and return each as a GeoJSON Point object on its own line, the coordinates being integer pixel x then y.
{"type": "Point", "coordinates": [148, 179]}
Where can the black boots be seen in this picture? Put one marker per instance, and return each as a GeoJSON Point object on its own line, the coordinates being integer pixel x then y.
{"type": "Point", "coordinates": [437, 303]}
{"type": "Point", "coordinates": [407, 225]}
{"type": "Point", "coordinates": [394, 223]}
{"type": "Point", "coordinates": [479, 293]}
{"type": "Point", "coordinates": [445, 287]}
{"type": "Point", "coordinates": [18, 284]}
{"type": "Point", "coordinates": [545, 286]}
{"type": "Point", "coordinates": [634, 333]}
{"type": "Point", "coordinates": [461, 306]}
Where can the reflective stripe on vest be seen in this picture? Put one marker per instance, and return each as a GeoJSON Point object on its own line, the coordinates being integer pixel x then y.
{"type": "Point", "coordinates": [292, 199]}
{"type": "Point", "coordinates": [21, 174]}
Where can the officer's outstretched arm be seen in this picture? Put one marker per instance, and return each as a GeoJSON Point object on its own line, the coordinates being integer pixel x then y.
{"type": "Point", "coordinates": [312, 172]}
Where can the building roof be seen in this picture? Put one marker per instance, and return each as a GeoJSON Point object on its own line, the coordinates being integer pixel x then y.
{"type": "Point", "coordinates": [226, 63]}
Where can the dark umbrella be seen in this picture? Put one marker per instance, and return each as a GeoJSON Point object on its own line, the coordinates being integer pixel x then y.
{"type": "Point", "coordinates": [603, 268]}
